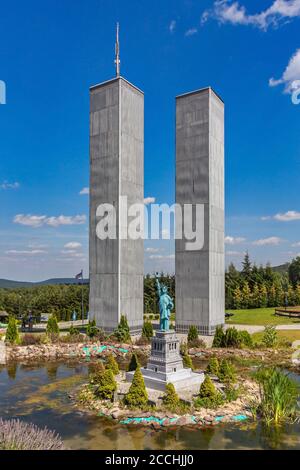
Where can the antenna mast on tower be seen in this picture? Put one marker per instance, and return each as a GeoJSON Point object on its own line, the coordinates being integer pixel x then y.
{"type": "Point", "coordinates": [117, 51]}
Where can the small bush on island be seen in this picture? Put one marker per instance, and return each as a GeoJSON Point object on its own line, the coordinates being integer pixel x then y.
{"type": "Point", "coordinates": [112, 364]}
{"type": "Point", "coordinates": [279, 395]}
{"type": "Point", "coordinates": [137, 396]}
{"type": "Point", "coordinates": [170, 399]}
{"type": "Point", "coordinates": [172, 402]}
{"type": "Point", "coordinates": [17, 435]}
{"type": "Point", "coordinates": [231, 338]}
{"type": "Point", "coordinates": [92, 330]}
{"type": "Point", "coordinates": [193, 339]}
{"type": "Point", "coordinates": [218, 341]}
{"type": "Point", "coordinates": [213, 366]}
{"type": "Point", "coordinates": [187, 361]}
{"type": "Point", "coordinates": [122, 333]}
{"type": "Point", "coordinates": [227, 372]}
{"type": "Point", "coordinates": [73, 331]}
{"type": "Point", "coordinates": [106, 385]}
{"type": "Point", "coordinates": [52, 327]}
{"type": "Point", "coordinates": [269, 338]}
{"type": "Point", "coordinates": [12, 333]}
{"type": "Point", "coordinates": [209, 396]}
{"type": "Point", "coordinates": [30, 339]}
{"type": "Point", "coordinates": [134, 363]}
{"type": "Point", "coordinates": [147, 331]}
{"type": "Point", "coordinates": [192, 334]}
{"type": "Point", "coordinates": [96, 373]}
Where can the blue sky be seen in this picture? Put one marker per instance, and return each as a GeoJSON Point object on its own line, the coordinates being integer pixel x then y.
{"type": "Point", "coordinates": [52, 51]}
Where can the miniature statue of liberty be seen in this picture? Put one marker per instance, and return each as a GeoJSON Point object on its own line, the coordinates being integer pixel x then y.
{"type": "Point", "coordinates": [165, 303]}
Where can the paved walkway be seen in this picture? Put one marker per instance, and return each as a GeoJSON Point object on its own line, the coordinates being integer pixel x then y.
{"type": "Point", "coordinates": [257, 328]}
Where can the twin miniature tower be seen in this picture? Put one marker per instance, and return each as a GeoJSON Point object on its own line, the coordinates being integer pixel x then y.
{"type": "Point", "coordinates": [117, 169]}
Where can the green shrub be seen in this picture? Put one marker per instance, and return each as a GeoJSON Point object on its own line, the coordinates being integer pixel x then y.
{"type": "Point", "coordinates": [227, 372]}
{"type": "Point", "coordinates": [171, 399]}
{"type": "Point", "coordinates": [270, 336]}
{"type": "Point", "coordinates": [106, 385]}
{"type": "Point", "coordinates": [232, 338]}
{"type": "Point", "coordinates": [192, 334]}
{"type": "Point", "coordinates": [134, 363]}
{"type": "Point", "coordinates": [246, 339]}
{"type": "Point", "coordinates": [231, 393]}
{"type": "Point", "coordinates": [279, 395]}
{"type": "Point", "coordinates": [97, 371]}
{"type": "Point", "coordinates": [112, 364]}
{"type": "Point", "coordinates": [147, 331]}
{"type": "Point", "coordinates": [213, 366]}
{"type": "Point", "coordinates": [122, 333]}
{"type": "Point", "coordinates": [207, 388]}
{"type": "Point", "coordinates": [73, 331]}
{"type": "Point", "coordinates": [30, 339]}
{"type": "Point", "coordinates": [92, 330]}
{"type": "Point", "coordinates": [218, 341]}
{"type": "Point", "coordinates": [184, 349]}
{"type": "Point", "coordinates": [208, 397]}
{"type": "Point", "coordinates": [137, 396]}
{"type": "Point", "coordinates": [52, 326]}
{"type": "Point", "coordinates": [187, 361]}
{"type": "Point", "coordinates": [172, 326]}
{"type": "Point", "coordinates": [12, 331]}
{"type": "Point", "coordinates": [156, 316]}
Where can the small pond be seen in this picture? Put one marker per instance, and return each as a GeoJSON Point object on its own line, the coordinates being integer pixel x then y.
{"type": "Point", "coordinates": [39, 394]}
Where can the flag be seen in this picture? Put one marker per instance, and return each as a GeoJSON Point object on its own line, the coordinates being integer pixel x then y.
{"type": "Point", "coordinates": [79, 275]}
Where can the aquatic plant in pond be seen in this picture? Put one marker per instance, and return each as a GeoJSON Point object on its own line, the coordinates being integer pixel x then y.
{"type": "Point", "coordinates": [278, 394]}
{"type": "Point", "coordinates": [16, 435]}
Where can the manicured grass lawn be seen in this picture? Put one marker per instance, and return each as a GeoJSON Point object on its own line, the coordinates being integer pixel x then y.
{"type": "Point", "coordinates": [290, 335]}
{"type": "Point", "coordinates": [259, 316]}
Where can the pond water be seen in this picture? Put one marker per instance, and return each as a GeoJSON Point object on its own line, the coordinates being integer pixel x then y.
{"type": "Point", "coordinates": [39, 394]}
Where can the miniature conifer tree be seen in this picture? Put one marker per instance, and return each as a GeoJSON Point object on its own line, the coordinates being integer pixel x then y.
{"type": "Point", "coordinates": [187, 361]}
{"type": "Point", "coordinates": [207, 388]}
{"type": "Point", "coordinates": [170, 399]}
{"type": "Point", "coordinates": [52, 326]}
{"type": "Point", "coordinates": [12, 332]}
{"type": "Point", "coordinates": [213, 366]}
{"type": "Point", "coordinates": [112, 364]}
{"type": "Point", "coordinates": [137, 396]}
{"type": "Point", "coordinates": [106, 385]}
{"type": "Point", "coordinates": [134, 363]}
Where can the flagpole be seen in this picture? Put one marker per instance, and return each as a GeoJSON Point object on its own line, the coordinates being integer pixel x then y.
{"type": "Point", "coordinates": [82, 312]}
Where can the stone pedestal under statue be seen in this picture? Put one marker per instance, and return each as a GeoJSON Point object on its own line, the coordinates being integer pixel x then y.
{"type": "Point", "coordinates": [165, 365]}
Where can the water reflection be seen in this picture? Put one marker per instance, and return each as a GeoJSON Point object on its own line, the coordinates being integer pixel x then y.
{"type": "Point", "coordinates": [40, 394]}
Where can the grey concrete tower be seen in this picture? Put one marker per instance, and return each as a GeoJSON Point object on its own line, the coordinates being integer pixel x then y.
{"type": "Point", "coordinates": [200, 296]}
{"type": "Point", "coordinates": [116, 169]}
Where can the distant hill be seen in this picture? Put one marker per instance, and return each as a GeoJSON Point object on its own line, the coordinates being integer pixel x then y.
{"type": "Point", "coordinates": [8, 284]}
{"type": "Point", "coordinates": [282, 269]}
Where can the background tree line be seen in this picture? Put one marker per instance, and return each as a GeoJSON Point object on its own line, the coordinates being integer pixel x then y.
{"type": "Point", "coordinates": [252, 287]}
{"type": "Point", "coordinates": [261, 286]}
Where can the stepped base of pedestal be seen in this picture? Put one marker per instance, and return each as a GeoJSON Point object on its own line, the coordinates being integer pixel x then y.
{"type": "Point", "coordinates": [181, 379]}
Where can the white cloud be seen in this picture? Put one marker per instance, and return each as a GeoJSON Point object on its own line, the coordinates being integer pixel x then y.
{"type": "Point", "coordinates": [191, 32]}
{"type": "Point", "coordinates": [288, 216]}
{"type": "Point", "coordinates": [39, 220]}
{"type": "Point", "coordinates": [172, 26]}
{"type": "Point", "coordinates": [290, 76]}
{"type": "Point", "coordinates": [234, 240]}
{"type": "Point", "coordinates": [152, 250]}
{"type": "Point", "coordinates": [273, 241]}
{"type": "Point", "coordinates": [84, 191]}
{"type": "Point", "coordinates": [294, 245]}
{"type": "Point", "coordinates": [162, 257]}
{"type": "Point", "coordinates": [149, 200]}
{"type": "Point", "coordinates": [227, 11]}
{"type": "Point", "coordinates": [72, 245]}
{"type": "Point", "coordinates": [5, 185]}
{"type": "Point", "coordinates": [25, 252]}
{"type": "Point", "coordinates": [234, 253]}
